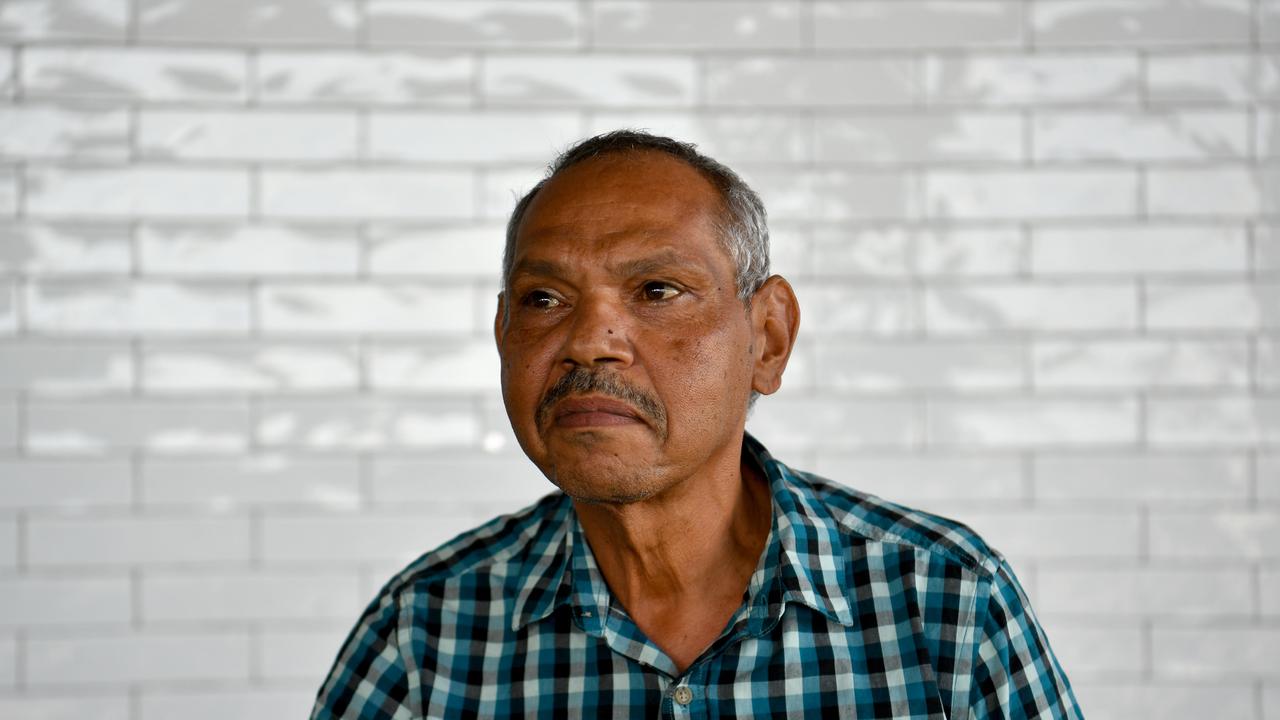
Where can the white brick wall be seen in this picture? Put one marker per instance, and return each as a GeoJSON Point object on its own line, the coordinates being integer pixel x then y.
{"type": "Point", "coordinates": [247, 272]}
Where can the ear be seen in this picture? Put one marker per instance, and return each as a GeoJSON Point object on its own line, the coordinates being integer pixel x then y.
{"type": "Point", "coordinates": [775, 320]}
{"type": "Point", "coordinates": [499, 316]}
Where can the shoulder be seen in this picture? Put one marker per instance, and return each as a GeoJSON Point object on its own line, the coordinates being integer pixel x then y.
{"type": "Point", "coordinates": [864, 518]}
{"type": "Point", "coordinates": [508, 545]}
{"type": "Point", "coordinates": [371, 675]}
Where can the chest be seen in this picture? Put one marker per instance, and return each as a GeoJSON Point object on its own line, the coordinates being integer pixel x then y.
{"type": "Point", "coordinates": [803, 666]}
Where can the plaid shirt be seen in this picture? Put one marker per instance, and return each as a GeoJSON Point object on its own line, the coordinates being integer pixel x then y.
{"type": "Point", "coordinates": [858, 608]}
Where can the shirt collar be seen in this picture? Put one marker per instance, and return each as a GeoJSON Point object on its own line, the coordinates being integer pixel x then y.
{"type": "Point", "coordinates": [546, 584]}
{"type": "Point", "coordinates": [806, 544]}
{"type": "Point", "coordinates": [803, 562]}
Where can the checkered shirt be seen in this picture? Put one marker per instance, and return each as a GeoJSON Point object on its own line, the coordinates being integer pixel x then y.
{"type": "Point", "coordinates": [858, 608]}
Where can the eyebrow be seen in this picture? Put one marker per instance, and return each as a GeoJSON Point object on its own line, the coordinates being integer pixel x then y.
{"type": "Point", "coordinates": [629, 268]}
{"type": "Point", "coordinates": [537, 267]}
{"type": "Point", "coordinates": [651, 264]}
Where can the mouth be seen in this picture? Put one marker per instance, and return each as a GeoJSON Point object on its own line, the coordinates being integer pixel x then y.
{"type": "Point", "coordinates": [584, 412]}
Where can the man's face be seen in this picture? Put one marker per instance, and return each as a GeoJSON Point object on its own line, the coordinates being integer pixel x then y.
{"type": "Point", "coordinates": [627, 356]}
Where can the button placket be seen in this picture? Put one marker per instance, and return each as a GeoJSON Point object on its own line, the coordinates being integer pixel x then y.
{"type": "Point", "coordinates": [682, 695]}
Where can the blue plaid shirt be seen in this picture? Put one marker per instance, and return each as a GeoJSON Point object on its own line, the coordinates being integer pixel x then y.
{"type": "Point", "coordinates": [858, 608]}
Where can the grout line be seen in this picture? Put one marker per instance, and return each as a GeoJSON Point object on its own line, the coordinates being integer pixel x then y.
{"type": "Point", "coordinates": [137, 482]}
{"type": "Point", "coordinates": [1144, 536]}
{"type": "Point", "coordinates": [22, 649]}
{"type": "Point", "coordinates": [586, 22]}
{"type": "Point", "coordinates": [364, 480]}
{"type": "Point", "coordinates": [1255, 592]}
{"type": "Point", "coordinates": [362, 25]}
{"type": "Point", "coordinates": [133, 22]}
{"type": "Point", "coordinates": [1255, 25]}
{"type": "Point", "coordinates": [137, 619]}
{"type": "Point", "coordinates": [19, 55]}
{"type": "Point", "coordinates": [22, 551]}
{"type": "Point", "coordinates": [22, 422]}
{"type": "Point", "coordinates": [21, 177]}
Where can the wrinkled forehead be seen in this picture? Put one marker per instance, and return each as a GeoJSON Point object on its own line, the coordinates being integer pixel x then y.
{"type": "Point", "coordinates": [621, 191]}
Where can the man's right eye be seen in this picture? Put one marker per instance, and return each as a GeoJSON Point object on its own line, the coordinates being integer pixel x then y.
{"type": "Point", "coordinates": [541, 300]}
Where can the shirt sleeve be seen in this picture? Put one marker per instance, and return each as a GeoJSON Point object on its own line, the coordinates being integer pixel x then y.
{"type": "Point", "coordinates": [369, 680]}
{"type": "Point", "coordinates": [1015, 674]}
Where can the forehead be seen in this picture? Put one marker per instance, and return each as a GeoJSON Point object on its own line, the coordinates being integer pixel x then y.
{"type": "Point", "coordinates": [597, 204]}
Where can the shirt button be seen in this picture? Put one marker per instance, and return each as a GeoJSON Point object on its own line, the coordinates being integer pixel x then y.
{"type": "Point", "coordinates": [682, 695]}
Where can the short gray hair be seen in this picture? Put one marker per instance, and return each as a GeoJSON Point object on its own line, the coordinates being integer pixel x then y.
{"type": "Point", "coordinates": [744, 228]}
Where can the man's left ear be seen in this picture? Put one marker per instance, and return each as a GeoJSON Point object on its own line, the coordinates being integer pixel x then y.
{"type": "Point", "coordinates": [775, 320]}
{"type": "Point", "coordinates": [499, 318]}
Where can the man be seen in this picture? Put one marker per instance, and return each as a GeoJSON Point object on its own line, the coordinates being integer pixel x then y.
{"type": "Point", "coordinates": [682, 571]}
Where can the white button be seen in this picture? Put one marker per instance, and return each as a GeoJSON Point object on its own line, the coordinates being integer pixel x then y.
{"type": "Point", "coordinates": [683, 695]}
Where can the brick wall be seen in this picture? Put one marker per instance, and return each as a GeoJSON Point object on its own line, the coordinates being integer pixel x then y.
{"type": "Point", "coordinates": [248, 255]}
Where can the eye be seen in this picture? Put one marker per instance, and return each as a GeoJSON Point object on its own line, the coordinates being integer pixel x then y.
{"type": "Point", "coordinates": [540, 300]}
{"type": "Point", "coordinates": [657, 291]}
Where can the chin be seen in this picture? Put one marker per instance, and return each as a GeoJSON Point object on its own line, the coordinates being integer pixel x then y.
{"type": "Point", "coordinates": [605, 483]}
{"type": "Point", "coordinates": [617, 499]}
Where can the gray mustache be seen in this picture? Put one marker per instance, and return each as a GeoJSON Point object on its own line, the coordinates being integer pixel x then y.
{"type": "Point", "coordinates": [580, 381]}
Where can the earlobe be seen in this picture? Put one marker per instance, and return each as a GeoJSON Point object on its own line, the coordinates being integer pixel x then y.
{"type": "Point", "coordinates": [776, 318]}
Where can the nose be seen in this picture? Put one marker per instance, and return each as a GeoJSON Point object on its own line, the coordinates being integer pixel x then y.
{"type": "Point", "coordinates": [598, 335]}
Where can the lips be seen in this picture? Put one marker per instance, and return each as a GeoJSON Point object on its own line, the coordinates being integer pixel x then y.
{"type": "Point", "coordinates": [583, 412]}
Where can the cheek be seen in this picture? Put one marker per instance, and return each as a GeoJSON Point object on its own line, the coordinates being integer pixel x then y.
{"type": "Point", "coordinates": [705, 365]}
{"type": "Point", "coordinates": [523, 367]}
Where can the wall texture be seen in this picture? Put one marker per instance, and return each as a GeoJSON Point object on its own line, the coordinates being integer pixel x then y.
{"type": "Point", "coordinates": [248, 254]}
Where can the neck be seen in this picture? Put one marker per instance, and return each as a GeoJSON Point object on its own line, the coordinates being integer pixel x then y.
{"type": "Point", "coordinates": [691, 549]}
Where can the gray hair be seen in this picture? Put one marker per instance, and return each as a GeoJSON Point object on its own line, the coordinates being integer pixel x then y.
{"type": "Point", "coordinates": [743, 225]}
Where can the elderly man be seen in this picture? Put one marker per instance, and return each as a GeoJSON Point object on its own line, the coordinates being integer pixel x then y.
{"type": "Point", "coordinates": [682, 571]}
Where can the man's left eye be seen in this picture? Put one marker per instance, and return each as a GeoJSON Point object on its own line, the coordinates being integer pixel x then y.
{"type": "Point", "coordinates": [656, 290]}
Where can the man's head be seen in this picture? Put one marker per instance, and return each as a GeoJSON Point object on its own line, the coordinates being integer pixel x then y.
{"type": "Point", "coordinates": [637, 317]}
{"type": "Point", "coordinates": [743, 225]}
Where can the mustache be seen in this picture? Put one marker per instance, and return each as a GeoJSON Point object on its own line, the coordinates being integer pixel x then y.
{"type": "Point", "coordinates": [580, 381]}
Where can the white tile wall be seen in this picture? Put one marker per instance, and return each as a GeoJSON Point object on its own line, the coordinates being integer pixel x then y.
{"type": "Point", "coordinates": [335, 77]}
{"type": "Point", "coordinates": [249, 253]}
{"type": "Point", "coordinates": [1222, 652]}
{"type": "Point", "coordinates": [54, 131]}
{"type": "Point", "coordinates": [124, 306]}
{"type": "Point", "coordinates": [1097, 651]}
{"type": "Point", "coordinates": [134, 657]}
{"type": "Point", "coordinates": [136, 191]}
{"type": "Point", "coordinates": [604, 79]}
{"type": "Point", "coordinates": [1117, 701]}
{"type": "Point", "coordinates": [70, 367]}
{"type": "Point", "coordinates": [220, 249]}
{"type": "Point", "coordinates": [481, 24]}
{"type": "Point", "coordinates": [65, 248]}
{"type": "Point", "coordinates": [65, 484]}
{"type": "Point", "coordinates": [9, 190]}
{"type": "Point", "coordinates": [150, 74]}
{"type": "Point", "coordinates": [1105, 77]}
{"type": "Point", "coordinates": [1142, 22]}
{"type": "Point", "coordinates": [1152, 478]}
{"type": "Point", "coordinates": [312, 21]}
{"type": "Point", "coordinates": [79, 19]}
{"type": "Point", "coordinates": [1140, 249]}
{"type": "Point", "coordinates": [248, 136]}
{"type": "Point", "coordinates": [247, 702]}
{"type": "Point", "coordinates": [52, 601]}
{"type": "Point", "coordinates": [52, 706]}
{"type": "Point", "coordinates": [698, 24]}
{"type": "Point", "coordinates": [368, 193]}
{"type": "Point", "coordinates": [783, 81]}
{"type": "Point", "coordinates": [913, 24]}
{"type": "Point", "coordinates": [1131, 590]}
